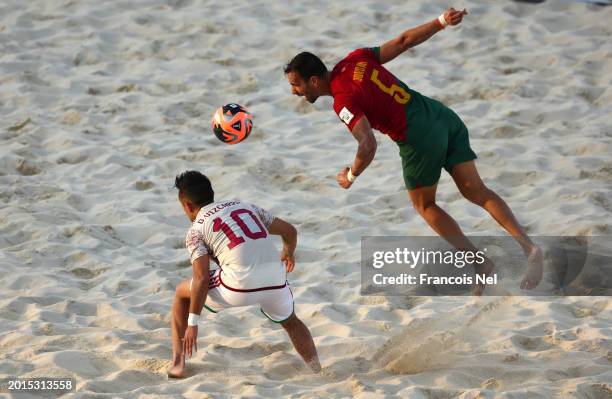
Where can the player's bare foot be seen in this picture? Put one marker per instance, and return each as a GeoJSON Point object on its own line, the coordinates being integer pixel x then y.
{"type": "Point", "coordinates": [314, 365]}
{"type": "Point", "coordinates": [535, 268]}
{"type": "Point", "coordinates": [178, 371]}
{"type": "Point", "coordinates": [485, 268]}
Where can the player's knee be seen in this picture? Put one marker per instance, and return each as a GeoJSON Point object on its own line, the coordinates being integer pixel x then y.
{"type": "Point", "coordinates": [182, 290]}
{"type": "Point", "coordinates": [291, 323]}
{"type": "Point", "coordinates": [475, 193]}
{"type": "Point", "coordinates": [178, 295]}
{"type": "Point", "coordinates": [421, 206]}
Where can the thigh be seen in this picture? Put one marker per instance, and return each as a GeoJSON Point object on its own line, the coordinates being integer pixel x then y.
{"type": "Point", "coordinates": [277, 305]}
{"type": "Point", "coordinates": [423, 158]}
{"type": "Point", "coordinates": [466, 176]}
{"type": "Point", "coordinates": [214, 299]}
{"type": "Point", "coordinates": [425, 151]}
{"type": "Point", "coordinates": [459, 149]}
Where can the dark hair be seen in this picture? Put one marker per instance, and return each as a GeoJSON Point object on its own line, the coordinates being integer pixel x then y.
{"type": "Point", "coordinates": [307, 65]}
{"type": "Point", "coordinates": [195, 187]}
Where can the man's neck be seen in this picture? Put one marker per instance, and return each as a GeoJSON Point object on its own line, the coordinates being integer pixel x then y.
{"type": "Point", "coordinates": [194, 214]}
{"type": "Point", "coordinates": [326, 89]}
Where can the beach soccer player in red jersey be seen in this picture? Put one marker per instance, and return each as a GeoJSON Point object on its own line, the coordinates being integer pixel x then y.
{"type": "Point", "coordinates": [430, 136]}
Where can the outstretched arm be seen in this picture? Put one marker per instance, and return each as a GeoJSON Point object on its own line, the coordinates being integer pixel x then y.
{"type": "Point", "coordinates": [414, 36]}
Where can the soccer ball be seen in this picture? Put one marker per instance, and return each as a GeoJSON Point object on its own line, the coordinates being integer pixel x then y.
{"type": "Point", "coordinates": [232, 123]}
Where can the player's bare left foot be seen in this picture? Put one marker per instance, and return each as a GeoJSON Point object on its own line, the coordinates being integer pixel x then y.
{"type": "Point", "coordinates": [535, 269]}
{"type": "Point", "coordinates": [484, 269]}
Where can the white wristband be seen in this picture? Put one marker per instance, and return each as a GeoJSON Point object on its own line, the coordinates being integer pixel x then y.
{"type": "Point", "coordinates": [193, 319]}
{"type": "Point", "coordinates": [350, 176]}
{"type": "Point", "coordinates": [442, 21]}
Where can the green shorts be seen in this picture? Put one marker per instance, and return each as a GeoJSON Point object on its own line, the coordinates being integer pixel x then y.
{"type": "Point", "coordinates": [436, 139]}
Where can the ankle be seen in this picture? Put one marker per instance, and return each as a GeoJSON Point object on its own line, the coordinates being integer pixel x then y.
{"type": "Point", "coordinates": [178, 358]}
{"type": "Point", "coordinates": [528, 248]}
{"type": "Point", "coordinates": [314, 364]}
{"type": "Point", "coordinates": [532, 250]}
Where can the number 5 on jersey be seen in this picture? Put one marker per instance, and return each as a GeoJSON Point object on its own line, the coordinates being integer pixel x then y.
{"type": "Point", "coordinates": [399, 94]}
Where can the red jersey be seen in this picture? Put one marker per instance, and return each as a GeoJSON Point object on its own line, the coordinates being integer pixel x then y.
{"type": "Point", "coordinates": [360, 85]}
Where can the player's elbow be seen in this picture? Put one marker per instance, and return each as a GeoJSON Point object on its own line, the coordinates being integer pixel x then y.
{"type": "Point", "coordinates": [406, 42]}
{"type": "Point", "coordinates": [200, 279]}
{"type": "Point", "coordinates": [284, 229]}
{"type": "Point", "coordinates": [291, 232]}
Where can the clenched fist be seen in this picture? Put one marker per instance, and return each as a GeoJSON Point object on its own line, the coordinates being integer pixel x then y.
{"type": "Point", "coordinates": [454, 17]}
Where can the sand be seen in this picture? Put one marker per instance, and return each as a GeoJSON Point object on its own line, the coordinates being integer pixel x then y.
{"type": "Point", "coordinates": [103, 103]}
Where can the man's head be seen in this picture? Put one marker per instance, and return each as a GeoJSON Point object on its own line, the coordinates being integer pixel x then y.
{"type": "Point", "coordinates": [307, 75]}
{"type": "Point", "coordinates": [195, 191]}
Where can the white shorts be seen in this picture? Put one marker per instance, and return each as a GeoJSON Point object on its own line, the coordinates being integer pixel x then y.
{"type": "Point", "coordinates": [276, 303]}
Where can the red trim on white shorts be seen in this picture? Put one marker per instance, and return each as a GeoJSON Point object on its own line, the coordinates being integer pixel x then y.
{"type": "Point", "coordinates": [275, 287]}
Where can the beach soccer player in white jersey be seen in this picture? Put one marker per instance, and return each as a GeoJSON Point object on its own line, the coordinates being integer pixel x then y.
{"type": "Point", "coordinates": [236, 236]}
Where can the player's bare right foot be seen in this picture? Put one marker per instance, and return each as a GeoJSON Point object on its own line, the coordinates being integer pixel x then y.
{"type": "Point", "coordinates": [178, 371]}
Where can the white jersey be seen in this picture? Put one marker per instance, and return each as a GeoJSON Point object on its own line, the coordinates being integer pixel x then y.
{"type": "Point", "coordinates": [235, 235]}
